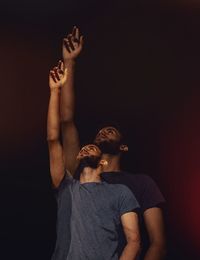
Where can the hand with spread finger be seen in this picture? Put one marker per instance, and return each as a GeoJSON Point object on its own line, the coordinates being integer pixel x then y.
{"type": "Point", "coordinates": [72, 45]}
{"type": "Point", "coordinates": [57, 76]}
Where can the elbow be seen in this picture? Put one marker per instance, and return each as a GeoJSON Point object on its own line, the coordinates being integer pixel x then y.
{"type": "Point", "coordinates": [56, 182]}
{"type": "Point", "coordinates": [66, 116]}
{"type": "Point", "coordinates": [66, 120]}
{"type": "Point", "coordinates": [53, 134]}
{"type": "Point", "coordinates": [52, 138]}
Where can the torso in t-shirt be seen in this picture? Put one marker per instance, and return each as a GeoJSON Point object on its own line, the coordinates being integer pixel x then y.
{"type": "Point", "coordinates": [147, 194]}
{"type": "Point", "coordinates": [88, 219]}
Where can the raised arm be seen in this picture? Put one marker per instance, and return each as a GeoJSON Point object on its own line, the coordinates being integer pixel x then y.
{"type": "Point", "coordinates": [131, 230]}
{"type": "Point", "coordinates": [57, 77]}
{"type": "Point", "coordinates": [72, 46]}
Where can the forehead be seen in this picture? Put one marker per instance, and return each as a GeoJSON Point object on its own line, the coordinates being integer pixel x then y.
{"type": "Point", "coordinates": [111, 128]}
{"type": "Point", "coordinates": [91, 146]}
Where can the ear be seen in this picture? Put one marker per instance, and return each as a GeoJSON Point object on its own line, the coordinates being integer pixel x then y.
{"type": "Point", "coordinates": [103, 163]}
{"type": "Point", "coordinates": [123, 148]}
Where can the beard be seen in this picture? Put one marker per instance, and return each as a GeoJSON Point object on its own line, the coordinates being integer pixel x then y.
{"type": "Point", "coordinates": [110, 147]}
{"type": "Point", "coordinates": [88, 161]}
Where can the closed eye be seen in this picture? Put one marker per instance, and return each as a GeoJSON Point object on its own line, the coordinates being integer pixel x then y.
{"type": "Point", "coordinates": [111, 131]}
{"type": "Point", "coordinates": [92, 148]}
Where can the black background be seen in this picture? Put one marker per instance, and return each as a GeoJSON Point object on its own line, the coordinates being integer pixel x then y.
{"type": "Point", "coordinates": [139, 69]}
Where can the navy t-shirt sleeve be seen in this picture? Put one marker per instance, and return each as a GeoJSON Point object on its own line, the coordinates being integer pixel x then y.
{"type": "Point", "coordinates": [127, 201]}
{"type": "Point", "coordinates": [151, 195]}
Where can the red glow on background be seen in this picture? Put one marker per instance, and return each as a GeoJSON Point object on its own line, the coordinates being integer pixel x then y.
{"type": "Point", "coordinates": [181, 165]}
{"type": "Point", "coordinates": [192, 216]}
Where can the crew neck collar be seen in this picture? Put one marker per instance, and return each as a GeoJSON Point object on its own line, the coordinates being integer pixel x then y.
{"type": "Point", "coordinates": [93, 182]}
{"type": "Point", "coordinates": [112, 172]}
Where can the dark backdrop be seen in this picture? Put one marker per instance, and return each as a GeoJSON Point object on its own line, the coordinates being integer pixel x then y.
{"type": "Point", "coordinates": [140, 69]}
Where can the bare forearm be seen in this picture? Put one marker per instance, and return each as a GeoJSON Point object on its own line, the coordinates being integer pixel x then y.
{"type": "Point", "coordinates": [156, 252]}
{"type": "Point", "coordinates": [130, 251]}
{"type": "Point", "coordinates": [67, 93]}
{"type": "Point", "coordinates": [154, 222]}
{"type": "Point", "coordinates": [53, 119]}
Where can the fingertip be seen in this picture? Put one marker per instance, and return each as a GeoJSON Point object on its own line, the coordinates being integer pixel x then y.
{"type": "Point", "coordinates": [74, 30]}
{"type": "Point", "coordinates": [59, 64]}
{"type": "Point", "coordinates": [62, 65]}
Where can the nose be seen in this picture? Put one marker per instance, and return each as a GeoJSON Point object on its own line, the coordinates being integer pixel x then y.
{"type": "Point", "coordinates": [84, 151]}
{"type": "Point", "coordinates": [103, 133]}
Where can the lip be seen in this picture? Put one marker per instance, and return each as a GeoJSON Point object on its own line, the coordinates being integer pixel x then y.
{"type": "Point", "coordinates": [82, 155]}
{"type": "Point", "coordinates": [102, 137]}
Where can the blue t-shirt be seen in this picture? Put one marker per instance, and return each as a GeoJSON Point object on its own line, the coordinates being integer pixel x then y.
{"type": "Point", "coordinates": [88, 219]}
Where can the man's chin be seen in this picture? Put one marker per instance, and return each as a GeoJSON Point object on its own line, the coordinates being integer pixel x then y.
{"type": "Point", "coordinates": [89, 161]}
{"type": "Point", "coordinates": [101, 140]}
{"type": "Point", "coordinates": [111, 148]}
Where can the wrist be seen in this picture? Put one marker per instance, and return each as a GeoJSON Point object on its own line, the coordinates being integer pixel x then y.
{"type": "Point", "coordinates": [55, 90]}
{"type": "Point", "coordinates": [69, 62]}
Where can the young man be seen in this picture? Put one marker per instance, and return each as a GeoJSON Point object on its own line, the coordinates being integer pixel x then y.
{"type": "Point", "coordinates": [144, 188]}
{"type": "Point", "coordinates": [110, 141]}
{"type": "Point", "coordinates": [89, 210]}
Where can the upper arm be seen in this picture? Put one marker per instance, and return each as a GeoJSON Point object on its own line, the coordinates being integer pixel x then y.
{"type": "Point", "coordinates": [57, 169]}
{"type": "Point", "coordinates": [70, 146]}
{"type": "Point", "coordinates": [131, 227]}
{"type": "Point", "coordinates": [154, 222]}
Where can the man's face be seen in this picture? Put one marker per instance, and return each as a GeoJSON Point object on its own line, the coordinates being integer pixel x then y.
{"type": "Point", "coordinates": [108, 133]}
{"type": "Point", "coordinates": [89, 150]}
{"type": "Point", "coordinates": [108, 140]}
{"type": "Point", "coordinates": [89, 156]}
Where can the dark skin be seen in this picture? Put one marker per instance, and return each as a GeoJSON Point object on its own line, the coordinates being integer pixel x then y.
{"type": "Point", "coordinates": [57, 79]}
{"type": "Point", "coordinates": [72, 47]}
{"type": "Point", "coordinates": [153, 217]}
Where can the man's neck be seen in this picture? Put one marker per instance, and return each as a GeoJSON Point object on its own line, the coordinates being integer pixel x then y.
{"type": "Point", "coordinates": [113, 163]}
{"type": "Point", "coordinates": [90, 175]}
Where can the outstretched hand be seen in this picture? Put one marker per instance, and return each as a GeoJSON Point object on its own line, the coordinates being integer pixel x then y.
{"type": "Point", "coordinates": [57, 76]}
{"type": "Point", "coordinates": [72, 45]}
